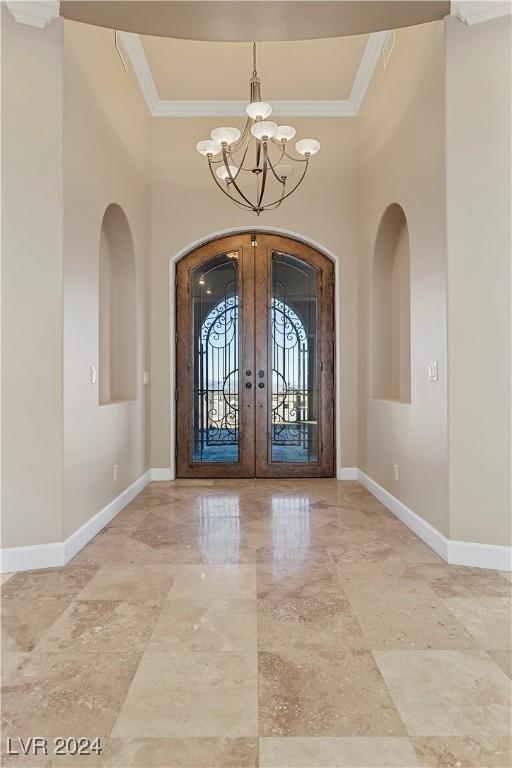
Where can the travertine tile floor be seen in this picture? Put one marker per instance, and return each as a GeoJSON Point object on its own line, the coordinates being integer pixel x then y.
{"type": "Point", "coordinates": [280, 623]}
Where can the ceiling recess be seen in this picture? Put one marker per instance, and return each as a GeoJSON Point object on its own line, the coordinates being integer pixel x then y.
{"type": "Point", "coordinates": [247, 21]}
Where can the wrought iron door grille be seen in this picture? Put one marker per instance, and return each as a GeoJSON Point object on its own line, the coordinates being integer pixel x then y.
{"type": "Point", "coordinates": [216, 366]}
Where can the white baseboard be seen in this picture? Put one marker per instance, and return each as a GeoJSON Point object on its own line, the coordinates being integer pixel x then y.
{"type": "Point", "coordinates": [85, 533]}
{"type": "Point", "coordinates": [468, 553]}
{"type": "Point", "coordinates": [430, 535]}
{"type": "Point", "coordinates": [347, 473]}
{"type": "Point", "coordinates": [492, 556]}
{"type": "Point", "coordinates": [59, 553]}
{"type": "Point", "coordinates": [13, 559]}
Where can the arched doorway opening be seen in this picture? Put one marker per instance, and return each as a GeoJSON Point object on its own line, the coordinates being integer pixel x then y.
{"type": "Point", "coordinates": [255, 359]}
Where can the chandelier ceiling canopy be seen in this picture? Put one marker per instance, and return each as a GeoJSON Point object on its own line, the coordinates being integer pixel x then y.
{"type": "Point", "coordinates": [254, 167]}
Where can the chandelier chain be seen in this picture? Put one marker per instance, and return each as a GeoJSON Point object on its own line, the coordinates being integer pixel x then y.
{"type": "Point", "coordinates": [254, 72]}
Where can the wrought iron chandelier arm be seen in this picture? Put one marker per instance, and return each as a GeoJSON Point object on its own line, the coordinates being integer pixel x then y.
{"type": "Point", "coordinates": [237, 202]}
{"type": "Point", "coordinates": [241, 164]}
{"type": "Point", "coordinates": [244, 135]}
{"type": "Point", "coordinates": [232, 179]}
{"type": "Point", "coordinates": [293, 188]}
{"type": "Point", "coordinates": [282, 148]}
{"type": "Point", "coordinates": [273, 167]}
{"type": "Point", "coordinates": [273, 206]}
{"type": "Point", "coordinates": [264, 173]}
{"type": "Point", "coordinates": [258, 152]}
{"type": "Point", "coordinates": [295, 159]}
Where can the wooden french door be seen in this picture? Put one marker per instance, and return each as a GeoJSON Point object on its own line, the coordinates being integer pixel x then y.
{"type": "Point", "coordinates": [255, 360]}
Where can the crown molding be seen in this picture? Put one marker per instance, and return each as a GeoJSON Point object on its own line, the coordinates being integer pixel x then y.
{"type": "Point", "coordinates": [34, 13]}
{"type": "Point", "coordinates": [477, 11]}
{"type": "Point", "coordinates": [280, 108]}
{"type": "Point", "coordinates": [366, 69]}
{"type": "Point", "coordinates": [132, 44]}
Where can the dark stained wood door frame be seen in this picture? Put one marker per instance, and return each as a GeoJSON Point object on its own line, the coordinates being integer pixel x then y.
{"type": "Point", "coordinates": [255, 295]}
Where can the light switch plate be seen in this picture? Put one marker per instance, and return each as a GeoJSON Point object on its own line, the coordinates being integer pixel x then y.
{"type": "Point", "coordinates": [433, 371]}
{"type": "Point", "coordinates": [93, 374]}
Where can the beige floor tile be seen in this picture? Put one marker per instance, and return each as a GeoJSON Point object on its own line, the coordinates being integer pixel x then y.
{"type": "Point", "coordinates": [85, 758]}
{"type": "Point", "coordinates": [388, 577]}
{"type": "Point", "coordinates": [181, 753]}
{"type": "Point", "coordinates": [32, 601]}
{"type": "Point", "coordinates": [504, 660]}
{"type": "Point", "coordinates": [208, 582]}
{"type": "Point", "coordinates": [50, 582]}
{"type": "Point", "coordinates": [378, 545]}
{"type": "Point", "coordinates": [192, 694]}
{"type": "Point", "coordinates": [313, 578]}
{"type": "Point", "coordinates": [117, 546]}
{"type": "Point", "coordinates": [459, 581]}
{"type": "Point", "coordinates": [324, 693]}
{"type": "Point", "coordinates": [448, 693]}
{"type": "Point", "coordinates": [64, 695]}
{"type": "Point", "coordinates": [325, 752]}
{"type": "Point", "coordinates": [155, 753]}
{"type": "Point", "coordinates": [489, 619]}
{"type": "Point", "coordinates": [129, 517]}
{"type": "Point", "coordinates": [101, 626]}
{"type": "Point", "coordinates": [214, 625]}
{"type": "Point", "coordinates": [407, 621]}
{"type": "Point", "coordinates": [21, 760]}
{"type": "Point", "coordinates": [171, 584]}
{"type": "Point", "coordinates": [10, 663]}
{"type": "Point", "coordinates": [161, 532]}
{"type": "Point", "coordinates": [25, 622]}
{"type": "Point", "coordinates": [492, 752]}
{"type": "Point", "coordinates": [282, 556]}
{"type": "Point", "coordinates": [130, 583]}
{"type": "Point", "coordinates": [306, 622]}
{"type": "Point", "coordinates": [367, 550]}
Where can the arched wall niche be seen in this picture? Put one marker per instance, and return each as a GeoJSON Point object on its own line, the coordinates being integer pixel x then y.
{"type": "Point", "coordinates": [391, 304]}
{"type": "Point", "coordinates": [117, 309]}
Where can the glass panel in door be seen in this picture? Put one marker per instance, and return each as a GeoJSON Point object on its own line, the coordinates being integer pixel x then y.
{"type": "Point", "coordinates": [294, 434]}
{"type": "Point", "coordinates": [216, 355]}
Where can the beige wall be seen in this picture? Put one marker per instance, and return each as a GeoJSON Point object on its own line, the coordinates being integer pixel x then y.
{"type": "Point", "coordinates": [478, 135]}
{"type": "Point", "coordinates": [106, 151]}
{"type": "Point", "coordinates": [32, 262]}
{"type": "Point", "coordinates": [186, 207]}
{"type": "Point", "coordinates": [75, 135]}
{"type": "Point", "coordinates": [401, 160]}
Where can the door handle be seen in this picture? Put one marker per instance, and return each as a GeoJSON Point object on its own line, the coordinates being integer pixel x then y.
{"type": "Point", "coordinates": [261, 385]}
{"type": "Point", "coordinates": [248, 384]}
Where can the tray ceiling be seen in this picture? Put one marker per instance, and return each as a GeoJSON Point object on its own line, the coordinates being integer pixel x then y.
{"type": "Point", "coordinates": [311, 69]}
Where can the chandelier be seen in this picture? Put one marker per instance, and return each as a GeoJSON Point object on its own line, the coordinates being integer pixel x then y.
{"type": "Point", "coordinates": [254, 168]}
